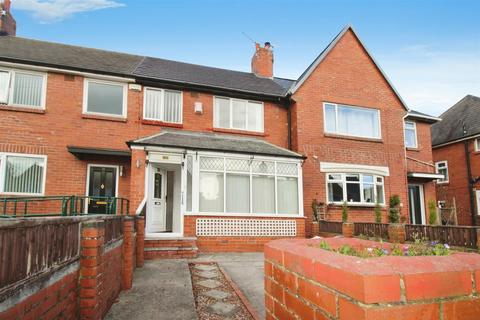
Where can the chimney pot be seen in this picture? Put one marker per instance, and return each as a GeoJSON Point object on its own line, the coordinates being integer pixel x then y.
{"type": "Point", "coordinates": [262, 60]}
{"type": "Point", "coordinates": [8, 25]}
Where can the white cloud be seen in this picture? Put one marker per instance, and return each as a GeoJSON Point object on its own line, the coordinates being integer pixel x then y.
{"type": "Point", "coordinates": [48, 11]}
{"type": "Point", "coordinates": [431, 80]}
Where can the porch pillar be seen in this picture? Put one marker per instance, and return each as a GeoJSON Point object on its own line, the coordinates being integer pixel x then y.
{"type": "Point", "coordinates": [137, 179]}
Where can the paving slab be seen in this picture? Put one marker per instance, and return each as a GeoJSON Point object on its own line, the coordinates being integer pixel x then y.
{"type": "Point", "coordinates": [247, 271]}
{"type": "Point", "coordinates": [205, 267]}
{"type": "Point", "coordinates": [162, 289]}
{"type": "Point", "coordinates": [223, 309]}
{"type": "Point", "coordinates": [208, 274]}
{"type": "Point", "coordinates": [216, 294]}
{"type": "Point", "coordinates": [211, 284]}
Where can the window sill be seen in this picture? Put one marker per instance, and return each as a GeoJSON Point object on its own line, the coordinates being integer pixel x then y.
{"type": "Point", "coordinates": [355, 205]}
{"type": "Point", "coordinates": [162, 124]}
{"type": "Point", "coordinates": [105, 118]}
{"type": "Point", "coordinates": [22, 109]}
{"type": "Point", "coordinates": [236, 131]}
{"type": "Point", "coordinates": [339, 136]}
{"type": "Point", "coordinates": [245, 215]}
{"type": "Point", "coordinates": [413, 149]}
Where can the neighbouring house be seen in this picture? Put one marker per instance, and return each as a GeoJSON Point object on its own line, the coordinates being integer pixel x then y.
{"type": "Point", "coordinates": [216, 159]}
{"type": "Point", "coordinates": [456, 151]}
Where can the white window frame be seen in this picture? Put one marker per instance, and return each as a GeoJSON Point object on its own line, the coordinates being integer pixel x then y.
{"type": "Point", "coordinates": [360, 182]}
{"type": "Point", "coordinates": [439, 181]}
{"type": "Point", "coordinates": [3, 172]}
{"type": "Point", "coordinates": [196, 185]}
{"type": "Point", "coordinates": [415, 132]}
{"type": "Point", "coordinates": [476, 145]}
{"type": "Point", "coordinates": [336, 121]}
{"type": "Point", "coordinates": [230, 127]}
{"type": "Point", "coordinates": [12, 73]}
{"type": "Point", "coordinates": [162, 104]}
{"type": "Point", "coordinates": [124, 86]}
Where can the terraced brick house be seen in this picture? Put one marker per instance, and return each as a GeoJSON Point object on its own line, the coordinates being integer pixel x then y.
{"type": "Point", "coordinates": [456, 151]}
{"type": "Point", "coordinates": [222, 160]}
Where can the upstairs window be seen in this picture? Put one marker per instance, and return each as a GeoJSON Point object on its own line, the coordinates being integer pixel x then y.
{"type": "Point", "coordinates": [22, 88]}
{"type": "Point", "coordinates": [238, 114]}
{"type": "Point", "coordinates": [476, 144]}
{"type": "Point", "coordinates": [351, 121]}
{"type": "Point", "coordinates": [410, 129]}
{"type": "Point", "coordinates": [105, 98]}
{"type": "Point", "coordinates": [442, 168]}
{"type": "Point", "coordinates": [162, 105]}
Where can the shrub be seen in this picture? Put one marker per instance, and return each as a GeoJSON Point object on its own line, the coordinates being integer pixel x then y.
{"type": "Point", "coordinates": [432, 212]}
{"type": "Point", "coordinates": [344, 212]}
{"type": "Point", "coordinates": [378, 213]}
{"type": "Point", "coordinates": [393, 211]}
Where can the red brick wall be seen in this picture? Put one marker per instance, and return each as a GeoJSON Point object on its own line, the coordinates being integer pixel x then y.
{"type": "Point", "coordinates": [62, 123]}
{"type": "Point", "coordinates": [57, 301]}
{"type": "Point", "coordinates": [303, 281]}
{"type": "Point", "coordinates": [457, 188]}
{"type": "Point", "coordinates": [348, 76]}
{"type": "Point", "coordinates": [237, 244]}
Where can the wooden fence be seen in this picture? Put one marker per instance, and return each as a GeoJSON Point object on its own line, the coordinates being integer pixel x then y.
{"type": "Point", "coordinates": [461, 236]}
{"type": "Point", "coordinates": [377, 230]}
{"type": "Point", "coordinates": [28, 248]}
{"type": "Point", "coordinates": [113, 230]}
{"type": "Point", "coordinates": [330, 226]}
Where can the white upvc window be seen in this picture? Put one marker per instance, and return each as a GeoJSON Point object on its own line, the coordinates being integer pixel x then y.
{"type": "Point", "coordinates": [355, 188]}
{"type": "Point", "coordinates": [351, 121]}
{"type": "Point", "coordinates": [241, 185]}
{"type": "Point", "coordinates": [410, 132]}
{"type": "Point", "coordinates": [476, 144]}
{"type": "Point", "coordinates": [238, 114]}
{"type": "Point", "coordinates": [442, 168]}
{"type": "Point", "coordinates": [22, 174]}
{"type": "Point", "coordinates": [162, 105]}
{"type": "Point", "coordinates": [22, 88]}
{"type": "Point", "coordinates": [105, 98]}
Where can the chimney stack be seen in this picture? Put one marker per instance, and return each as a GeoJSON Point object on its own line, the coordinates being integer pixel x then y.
{"type": "Point", "coordinates": [262, 60]}
{"type": "Point", "coordinates": [8, 26]}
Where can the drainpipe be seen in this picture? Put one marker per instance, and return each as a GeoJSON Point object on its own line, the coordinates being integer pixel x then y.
{"type": "Point", "coordinates": [470, 184]}
{"type": "Point", "coordinates": [289, 122]}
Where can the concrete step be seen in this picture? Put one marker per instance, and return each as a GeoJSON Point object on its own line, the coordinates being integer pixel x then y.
{"type": "Point", "coordinates": [156, 248]}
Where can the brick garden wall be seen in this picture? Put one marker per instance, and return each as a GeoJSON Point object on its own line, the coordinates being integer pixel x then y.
{"type": "Point", "coordinates": [304, 282]}
{"type": "Point", "coordinates": [234, 244]}
{"type": "Point", "coordinates": [86, 286]}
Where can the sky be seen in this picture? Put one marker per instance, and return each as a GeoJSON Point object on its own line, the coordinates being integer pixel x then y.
{"type": "Point", "coordinates": [429, 49]}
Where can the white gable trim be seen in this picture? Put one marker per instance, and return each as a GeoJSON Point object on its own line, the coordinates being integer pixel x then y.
{"type": "Point", "coordinates": [325, 52]}
{"type": "Point", "coordinates": [334, 167]}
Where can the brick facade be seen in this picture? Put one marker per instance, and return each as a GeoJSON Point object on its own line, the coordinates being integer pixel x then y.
{"type": "Point", "coordinates": [456, 192]}
{"type": "Point", "coordinates": [347, 75]}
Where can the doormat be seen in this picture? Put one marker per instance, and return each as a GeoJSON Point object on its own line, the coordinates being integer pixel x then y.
{"type": "Point", "coordinates": [215, 298]}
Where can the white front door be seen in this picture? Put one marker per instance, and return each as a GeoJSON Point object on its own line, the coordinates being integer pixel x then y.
{"type": "Point", "coordinates": [157, 204]}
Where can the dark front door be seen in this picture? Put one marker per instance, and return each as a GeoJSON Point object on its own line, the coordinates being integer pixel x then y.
{"type": "Point", "coordinates": [415, 203]}
{"type": "Point", "coordinates": [102, 184]}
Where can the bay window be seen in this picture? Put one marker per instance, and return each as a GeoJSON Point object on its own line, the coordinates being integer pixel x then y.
{"type": "Point", "coordinates": [238, 114]}
{"type": "Point", "coordinates": [22, 88]}
{"type": "Point", "coordinates": [355, 188]}
{"type": "Point", "coordinates": [247, 186]}
{"type": "Point", "coordinates": [22, 174]}
{"type": "Point", "coordinates": [105, 98]}
{"type": "Point", "coordinates": [351, 121]}
{"type": "Point", "coordinates": [162, 105]}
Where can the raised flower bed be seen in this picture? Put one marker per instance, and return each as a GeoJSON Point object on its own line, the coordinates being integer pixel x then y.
{"type": "Point", "coordinates": [303, 278]}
